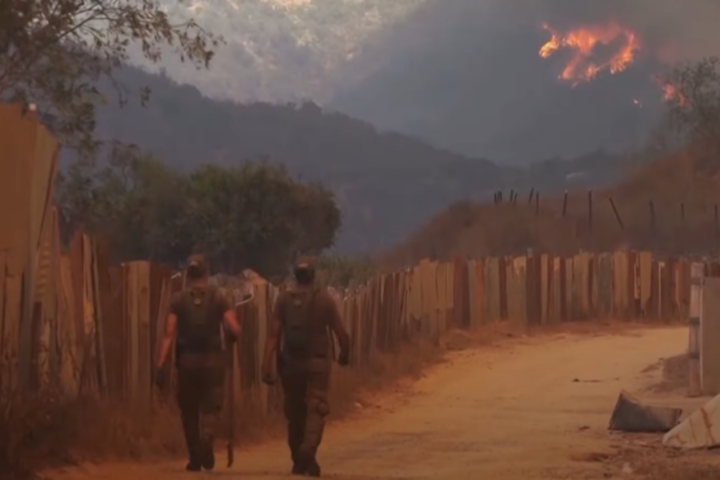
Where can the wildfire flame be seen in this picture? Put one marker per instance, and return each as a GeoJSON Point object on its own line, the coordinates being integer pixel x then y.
{"type": "Point", "coordinates": [583, 41]}
{"type": "Point", "coordinates": [670, 92]}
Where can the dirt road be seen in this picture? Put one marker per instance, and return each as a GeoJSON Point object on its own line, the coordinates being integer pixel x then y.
{"type": "Point", "coordinates": [532, 409]}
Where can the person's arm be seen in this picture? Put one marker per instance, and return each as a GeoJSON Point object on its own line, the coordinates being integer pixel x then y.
{"type": "Point", "coordinates": [167, 339]}
{"type": "Point", "coordinates": [337, 326]}
{"type": "Point", "coordinates": [273, 335]}
{"type": "Point", "coordinates": [230, 319]}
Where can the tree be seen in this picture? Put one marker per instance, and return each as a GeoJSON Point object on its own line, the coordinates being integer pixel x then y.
{"type": "Point", "coordinates": [319, 219]}
{"type": "Point", "coordinates": [249, 216]}
{"type": "Point", "coordinates": [56, 53]}
{"type": "Point", "coordinates": [134, 202]}
{"type": "Point", "coordinates": [255, 215]}
{"type": "Point", "coordinates": [692, 91]}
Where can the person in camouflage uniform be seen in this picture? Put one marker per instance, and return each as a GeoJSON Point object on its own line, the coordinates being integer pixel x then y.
{"type": "Point", "coordinates": [199, 317]}
{"type": "Point", "coordinates": [299, 339]}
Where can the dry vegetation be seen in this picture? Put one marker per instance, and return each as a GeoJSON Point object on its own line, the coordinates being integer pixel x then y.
{"type": "Point", "coordinates": [44, 430]}
{"type": "Point", "coordinates": [673, 185]}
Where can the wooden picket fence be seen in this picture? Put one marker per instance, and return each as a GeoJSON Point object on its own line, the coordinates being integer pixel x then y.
{"type": "Point", "coordinates": [77, 322]}
{"type": "Point", "coordinates": [107, 319]}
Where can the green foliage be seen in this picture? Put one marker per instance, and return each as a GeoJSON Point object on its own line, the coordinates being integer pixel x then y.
{"type": "Point", "coordinates": [251, 215]}
{"type": "Point", "coordinates": [55, 52]}
{"type": "Point", "coordinates": [340, 271]}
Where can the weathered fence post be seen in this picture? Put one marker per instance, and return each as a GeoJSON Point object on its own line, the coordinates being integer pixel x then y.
{"type": "Point", "coordinates": [697, 272]}
{"type": "Point", "coordinates": [709, 333]}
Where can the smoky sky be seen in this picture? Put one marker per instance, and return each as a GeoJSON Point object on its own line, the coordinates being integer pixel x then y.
{"type": "Point", "coordinates": [675, 30]}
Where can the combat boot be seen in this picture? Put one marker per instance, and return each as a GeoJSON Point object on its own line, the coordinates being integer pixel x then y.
{"type": "Point", "coordinates": [312, 469]}
{"type": "Point", "coordinates": [208, 455]}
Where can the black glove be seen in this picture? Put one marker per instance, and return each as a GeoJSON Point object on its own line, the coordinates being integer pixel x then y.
{"type": "Point", "coordinates": [161, 378]}
{"type": "Point", "coordinates": [344, 358]}
{"type": "Point", "coordinates": [268, 378]}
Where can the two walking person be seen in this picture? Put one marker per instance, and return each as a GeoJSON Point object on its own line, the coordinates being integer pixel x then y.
{"type": "Point", "coordinates": [202, 324]}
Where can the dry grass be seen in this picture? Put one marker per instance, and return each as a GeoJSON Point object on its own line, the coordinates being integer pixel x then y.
{"type": "Point", "coordinates": [42, 430]}
{"type": "Point", "coordinates": [45, 431]}
{"type": "Point", "coordinates": [484, 230]}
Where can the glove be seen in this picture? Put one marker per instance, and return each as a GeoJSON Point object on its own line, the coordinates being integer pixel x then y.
{"type": "Point", "coordinates": [344, 358]}
{"type": "Point", "coordinates": [161, 378]}
{"type": "Point", "coordinates": [268, 378]}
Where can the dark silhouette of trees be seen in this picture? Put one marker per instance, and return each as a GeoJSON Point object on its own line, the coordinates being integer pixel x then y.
{"type": "Point", "coordinates": [693, 121]}
{"type": "Point", "coordinates": [56, 53]}
{"type": "Point", "coordinates": [251, 215]}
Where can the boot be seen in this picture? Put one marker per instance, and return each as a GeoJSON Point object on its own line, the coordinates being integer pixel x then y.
{"type": "Point", "coordinates": [193, 466]}
{"type": "Point", "coordinates": [297, 469]}
{"type": "Point", "coordinates": [312, 469]}
{"type": "Point", "coordinates": [208, 455]}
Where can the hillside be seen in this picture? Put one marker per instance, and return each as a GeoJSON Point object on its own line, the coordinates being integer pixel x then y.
{"type": "Point", "coordinates": [674, 185]}
{"type": "Point", "coordinates": [387, 184]}
{"type": "Point", "coordinates": [468, 75]}
{"type": "Point", "coordinates": [281, 50]}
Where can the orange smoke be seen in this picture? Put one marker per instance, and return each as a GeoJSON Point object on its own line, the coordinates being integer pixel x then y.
{"type": "Point", "coordinates": [582, 41]}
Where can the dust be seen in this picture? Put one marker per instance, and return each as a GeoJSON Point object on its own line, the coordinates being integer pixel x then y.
{"type": "Point", "coordinates": [674, 374]}
{"type": "Point", "coordinates": [643, 456]}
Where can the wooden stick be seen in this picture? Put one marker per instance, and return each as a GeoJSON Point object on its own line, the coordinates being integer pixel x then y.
{"type": "Point", "coordinates": [617, 215]}
{"type": "Point", "coordinates": [652, 215]}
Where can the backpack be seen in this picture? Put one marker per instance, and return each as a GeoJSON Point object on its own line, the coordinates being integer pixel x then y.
{"type": "Point", "coordinates": [297, 322]}
{"type": "Point", "coordinates": [199, 321]}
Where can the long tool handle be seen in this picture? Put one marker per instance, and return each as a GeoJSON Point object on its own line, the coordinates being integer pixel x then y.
{"type": "Point", "coordinates": [230, 384]}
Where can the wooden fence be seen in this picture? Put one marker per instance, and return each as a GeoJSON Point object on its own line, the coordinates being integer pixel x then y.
{"type": "Point", "coordinates": [107, 319]}
{"type": "Point", "coordinates": [77, 322]}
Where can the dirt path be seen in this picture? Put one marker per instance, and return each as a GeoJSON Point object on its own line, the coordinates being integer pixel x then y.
{"type": "Point", "coordinates": [534, 409]}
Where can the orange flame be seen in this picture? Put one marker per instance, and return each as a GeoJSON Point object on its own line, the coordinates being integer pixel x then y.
{"type": "Point", "coordinates": [670, 92]}
{"type": "Point", "coordinates": [583, 41]}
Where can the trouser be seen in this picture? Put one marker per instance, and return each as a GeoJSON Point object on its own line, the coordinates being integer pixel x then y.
{"type": "Point", "coordinates": [201, 386]}
{"type": "Point", "coordinates": [305, 388]}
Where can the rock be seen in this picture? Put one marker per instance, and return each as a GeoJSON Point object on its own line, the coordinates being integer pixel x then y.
{"type": "Point", "coordinates": [630, 415]}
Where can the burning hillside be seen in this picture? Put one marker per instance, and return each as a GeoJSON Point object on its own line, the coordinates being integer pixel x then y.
{"type": "Point", "coordinates": [585, 63]}
{"type": "Point", "coordinates": [481, 77]}
{"type": "Point", "coordinates": [595, 48]}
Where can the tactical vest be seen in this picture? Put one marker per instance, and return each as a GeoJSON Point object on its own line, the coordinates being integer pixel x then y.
{"type": "Point", "coordinates": [303, 333]}
{"type": "Point", "coordinates": [199, 321]}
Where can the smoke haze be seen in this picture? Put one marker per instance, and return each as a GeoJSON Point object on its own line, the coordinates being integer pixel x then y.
{"type": "Point", "coordinates": [686, 29]}
{"type": "Point", "coordinates": [467, 75]}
